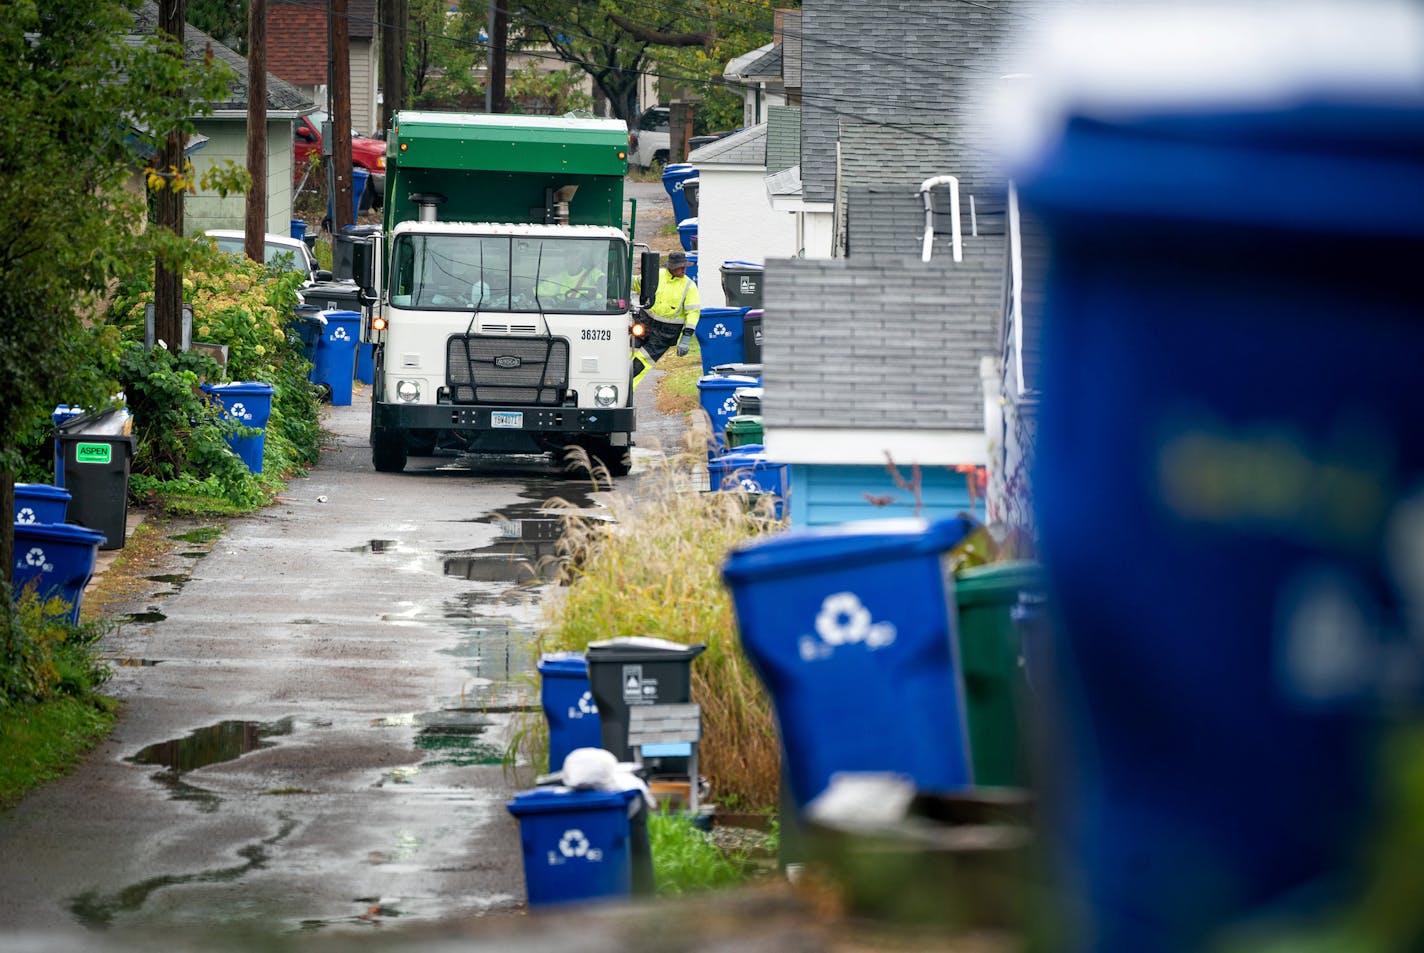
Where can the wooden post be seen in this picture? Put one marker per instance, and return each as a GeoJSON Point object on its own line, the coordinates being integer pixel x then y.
{"type": "Point", "coordinates": [339, 78]}
{"type": "Point", "coordinates": [255, 226]}
{"type": "Point", "coordinates": [168, 282]}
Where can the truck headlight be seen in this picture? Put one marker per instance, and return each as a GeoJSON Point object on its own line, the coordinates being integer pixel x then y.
{"type": "Point", "coordinates": [408, 391]}
{"type": "Point", "coordinates": [605, 395]}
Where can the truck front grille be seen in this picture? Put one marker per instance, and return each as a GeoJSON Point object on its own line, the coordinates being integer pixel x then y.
{"type": "Point", "coordinates": [482, 369]}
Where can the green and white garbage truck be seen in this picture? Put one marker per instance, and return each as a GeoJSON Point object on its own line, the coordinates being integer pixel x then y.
{"type": "Point", "coordinates": [502, 308]}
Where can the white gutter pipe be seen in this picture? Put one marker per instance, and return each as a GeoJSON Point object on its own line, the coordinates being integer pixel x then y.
{"type": "Point", "coordinates": [927, 197]}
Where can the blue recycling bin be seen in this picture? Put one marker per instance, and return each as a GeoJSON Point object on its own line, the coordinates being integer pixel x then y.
{"type": "Point", "coordinates": [575, 844]}
{"type": "Point", "coordinates": [715, 393]}
{"type": "Point", "coordinates": [299, 229]}
{"type": "Point", "coordinates": [748, 468]}
{"type": "Point", "coordinates": [1234, 614]}
{"type": "Point", "coordinates": [719, 336]}
{"type": "Point", "coordinates": [365, 362]}
{"type": "Point", "coordinates": [692, 266]}
{"type": "Point", "coordinates": [63, 413]}
{"type": "Point", "coordinates": [673, 177]}
{"type": "Point", "coordinates": [58, 559]}
{"type": "Point", "coordinates": [248, 403]}
{"type": "Point", "coordinates": [852, 630]}
{"type": "Point", "coordinates": [40, 503]}
{"type": "Point", "coordinates": [568, 703]}
{"type": "Point", "coordinates": [335, 364]}
{"type": "Point", "coordinates": [687, 233]}
{"type": "Point", "coordinates": [359, 177]}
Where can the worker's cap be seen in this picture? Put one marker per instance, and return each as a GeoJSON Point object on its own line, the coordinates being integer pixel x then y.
{"type": "Point", "coordinates": [677, 260]}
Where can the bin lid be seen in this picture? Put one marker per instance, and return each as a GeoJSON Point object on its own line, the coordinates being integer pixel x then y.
{"type": "Point", "coordinates": [562, 663]}
{"type": "Point", "coordinates": [851, 544]}
{"type": "Point", "coordinates": [997, 582]}
{"type": "Point", "coordinates": [58, 533]}
{"type": "Point", "coordinates": [41, 491]}
{"type": "Point", "coordinates": [641, 648]}
{"type": "Point", "coordinates": [742, 266]}
{"type": "Point", "coordinates": [558, 800]}
{"type": "Point", "coordinates": [742, 422]}
{"type": "Point", "coordinates": [338, 314]}
{"type": "Point", "coordinates": [742, 370]}
{"type": "Point", "coordinates": [688, 224]}
{"type": "Point", "coordinates": [720, 312]}
{"type": "Point", "coordinates": [726, 381]}
{"type": "Point", "coordinates": [241, 389]}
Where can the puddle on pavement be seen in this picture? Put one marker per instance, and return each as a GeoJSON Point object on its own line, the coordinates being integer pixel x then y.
{"type": "Point", "coordinates": [97, 910]}
{"type": "Point", "coordinates": [143, 618]}
{"type": "Point", "coordinates": [376, 546]}
{"type": "Point", "coordinates": [525, 550]}
{"type": "Point", "coordinates": [136, 662]}
{"type": "Point", "coordinates": [177, 579]}
{"type": "Point", "coordinates": [497, 655]}
{"type": "Point", "coordinates": [203, 534]}
{"type": "Point", "coordinates": [197, 554]}
{"type": "Point", "coordinates": [451, 737]}
{"type": "Point", "coordinates": [213, 744]}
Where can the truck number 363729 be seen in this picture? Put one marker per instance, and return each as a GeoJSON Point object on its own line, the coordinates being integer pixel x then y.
{"type": "Point", "coordinates": [596, 334]}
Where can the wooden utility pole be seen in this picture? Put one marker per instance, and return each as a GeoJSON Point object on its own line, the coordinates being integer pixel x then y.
{"type": "Point", "coordinates": [394, 14]}
{"type": "Point", "coordinates": [256, 223]}
{"type": "Point", "coordinates": [495, 101]}
{"type": "Point", "coordinates": [168, 282]}
{"type": "Point", "coordinates": [338, 36]}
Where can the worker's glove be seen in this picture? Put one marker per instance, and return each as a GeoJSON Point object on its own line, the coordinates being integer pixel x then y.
{"type": "Point", "coordinates": [684, 342]}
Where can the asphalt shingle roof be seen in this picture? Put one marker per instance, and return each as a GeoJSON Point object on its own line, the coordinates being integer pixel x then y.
{"type": "Point", "coordinates": [783, 137]}
{"type": "Point", "coordinates": [877, 342]}
{"type": "Point", "coordinates": [745, 147]}
{"type": "Point", "coordinates": [281, 95]}
{"type": "Point", "coordinates": [866, 59]}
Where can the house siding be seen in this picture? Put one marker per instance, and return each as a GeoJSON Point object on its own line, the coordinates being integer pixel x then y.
{"type": "Point", "coordinates": [735, 223]}
{"type": "Point", "coordinates": [823, 495]}
{"type": "Point", "coordinates": [227, 141]}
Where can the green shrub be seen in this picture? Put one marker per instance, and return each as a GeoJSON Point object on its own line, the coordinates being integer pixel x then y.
{"type": "Point", "coordinates": [685, 860]}
{"type": "Point", "coordinates": [42, 654]}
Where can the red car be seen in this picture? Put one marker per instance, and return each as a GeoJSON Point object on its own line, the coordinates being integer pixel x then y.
{"type": "Point", "coordinates": [368, 154]}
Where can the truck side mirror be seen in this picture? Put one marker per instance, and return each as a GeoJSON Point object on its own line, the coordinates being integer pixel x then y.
{"type": "Point", "coordinates": [649, 263]}
{"type": "Point", "coordinates": [362, 262]}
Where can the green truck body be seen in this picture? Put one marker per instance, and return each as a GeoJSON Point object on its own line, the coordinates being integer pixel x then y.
{"type": "Point", "coordinates": [505, 293]}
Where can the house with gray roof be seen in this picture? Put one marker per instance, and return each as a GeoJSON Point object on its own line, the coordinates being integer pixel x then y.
{"type": "Point", "coordinates": [758, 73]}
{"type": "Point", "coordinates": [226, 131]}
{"type": "Point", "coordinates": [880, 366]}
{"type": "Point", "coordinates": [735, 222]}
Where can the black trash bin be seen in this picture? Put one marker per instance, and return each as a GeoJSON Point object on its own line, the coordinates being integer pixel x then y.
{"type": "Point", "coordinates": [344, 251]}
{"type": "Point", "coordinates": [94, 468]}
{"type": "Point", "coordinates": [741, 283]}
{"type": "Point", "coordinates": [636, 670]}
{"type": "Point", "coordinates": [751, 336]}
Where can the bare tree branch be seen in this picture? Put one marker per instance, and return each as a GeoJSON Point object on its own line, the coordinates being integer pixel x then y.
{"type": "Point", "coordinates": [649, 35]}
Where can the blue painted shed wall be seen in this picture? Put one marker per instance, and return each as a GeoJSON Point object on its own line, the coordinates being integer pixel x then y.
{"type": "Point", "coordinates": [823, 494]}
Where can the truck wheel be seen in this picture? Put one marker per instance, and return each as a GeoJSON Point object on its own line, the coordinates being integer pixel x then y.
{"type": "Point", "coordinates": [577, 456]}
{"type": "Point", "coordinates": [388, 451]}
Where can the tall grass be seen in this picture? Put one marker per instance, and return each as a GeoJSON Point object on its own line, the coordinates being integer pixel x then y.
{"type": "Point", "coordinates": [655, 570]}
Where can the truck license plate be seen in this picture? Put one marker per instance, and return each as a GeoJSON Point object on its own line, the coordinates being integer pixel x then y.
{"type": "Point", "coordinates": [504, 420]}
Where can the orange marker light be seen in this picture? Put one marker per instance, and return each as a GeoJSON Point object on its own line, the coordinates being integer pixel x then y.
{"type": "Point", "coordinates": [637, 330]}
{"type": "Point", "coordinates": [378, 324]}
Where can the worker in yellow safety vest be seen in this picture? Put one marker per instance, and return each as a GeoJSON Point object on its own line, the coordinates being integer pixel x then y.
{"type": "Point", "coordinates": [673, 316]}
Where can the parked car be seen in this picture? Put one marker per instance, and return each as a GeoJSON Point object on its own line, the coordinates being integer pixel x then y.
{"type": "Point", "coordinates": [284, 250]}
{"type": "Point", "coordinates": [366, 153]}
{"type": "Point", "coordinates": [649, 143]}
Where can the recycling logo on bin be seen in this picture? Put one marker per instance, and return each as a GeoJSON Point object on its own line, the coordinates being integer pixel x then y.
{"type": "Point", "coordinates": [574, 844]}
{"type": "Point", "coordinates": [36, 557]}
{"type": "Point", "coordinates": [638, 690]}
{"type": "Point", "coordinates": [339, 333]}
{"type": "Point", "coordinates": [844, 620]}
{"type": "Point", "coordinates": [729, 406]}
{"type": "Point", "coordinates": [240, 411]}
{"type": "Point", "coordinates": [719, 330]}
{"type": "Point", "coordinates": [748, 285]}
{"type": "Point", "coordinates": [585, 706]}
{"type": "Point", "coordinates": [26, 515]}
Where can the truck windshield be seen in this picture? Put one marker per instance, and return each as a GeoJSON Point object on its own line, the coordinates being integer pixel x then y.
{"type": "Point", "coordinates": [510, 273]}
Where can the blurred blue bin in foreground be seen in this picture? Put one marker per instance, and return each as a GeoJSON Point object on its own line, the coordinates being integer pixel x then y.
{"type": "Point", "coordinates": [335, 364]}
{"type": "Point", "coordinates": [568, 704]}
{"type": "Point", "coordinates": [852, 629]}
{"type": "Point", "coordinates": [1229, 469]}
{"type": "Point", "coordinates": [575, 843]}
{"type": "Point", "coordinates": [719, 336]}
{"type": "Point", "coordinates": [248, 403]}
{"type": "Point", "coordinates": [57, 559]}
{"type": "Point", "coordinates": [40, 503]}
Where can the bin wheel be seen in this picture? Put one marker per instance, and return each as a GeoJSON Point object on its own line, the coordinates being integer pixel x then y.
{"type": "Point", "coordinates": [388, 451]}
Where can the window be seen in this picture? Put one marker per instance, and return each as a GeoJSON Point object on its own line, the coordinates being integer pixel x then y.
{"type": "Point", "coordinates": [503, 273]}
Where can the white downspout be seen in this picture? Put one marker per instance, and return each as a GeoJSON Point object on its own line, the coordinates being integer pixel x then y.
{"type": "Point", "coordinates": [928, 199]}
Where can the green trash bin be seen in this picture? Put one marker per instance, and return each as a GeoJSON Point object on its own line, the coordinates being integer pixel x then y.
{"type": "Point", "coordinates": [991, 655]}
{"type": "Point", "coordinates": [744, 429]}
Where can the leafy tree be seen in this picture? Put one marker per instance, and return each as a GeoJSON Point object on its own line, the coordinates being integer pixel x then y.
{"type": "Point", "coordinates": [535, 92]}
{"type": "Point", "coordinates": [223, 20]}
{"type": "Point", "coordinates": [88, 101]}
{"type": "Point", "coordinates": [445, 49]}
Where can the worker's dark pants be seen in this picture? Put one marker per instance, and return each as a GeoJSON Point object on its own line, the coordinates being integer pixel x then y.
{"type": "Point", "coordinates": [661, 336]}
